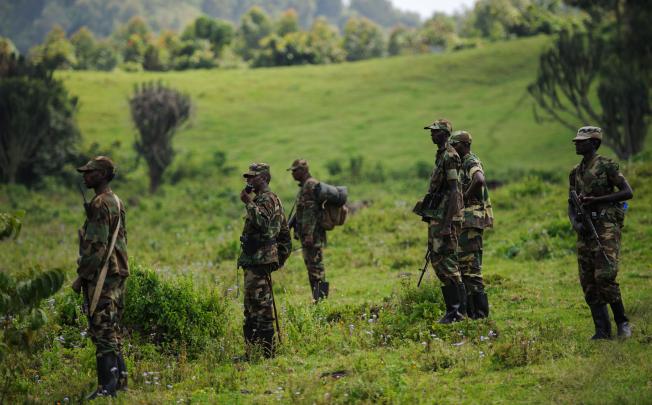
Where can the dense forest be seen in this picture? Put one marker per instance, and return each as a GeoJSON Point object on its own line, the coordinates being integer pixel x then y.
{"type": "Point", "coordinates": [27, 22]}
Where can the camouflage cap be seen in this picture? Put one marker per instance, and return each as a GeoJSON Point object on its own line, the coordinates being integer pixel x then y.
{"type": "Point", "coordinates": [588, 133]}
{"type": "Point", "coordinates": [460, 136]}
{"type": "Point", "coordinates": [442, 124]}
{"type": "Point", "coordinates": [297, 164]}
{"type": "Point", "coordinates": [98, 163]}
{"type": "Point", "coordinates": [255, 169]}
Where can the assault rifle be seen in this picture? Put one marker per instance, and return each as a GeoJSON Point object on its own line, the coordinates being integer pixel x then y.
{"type": "Point", "coordinates": [585, 219]}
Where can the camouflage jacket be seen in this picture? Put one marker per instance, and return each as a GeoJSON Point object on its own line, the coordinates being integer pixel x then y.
{"type": "Point", "coordinates": [477, 209]}
{"type": "Point", "coordinates": [596, 178]}
{"type": "Point", "coordinates": [95, 238]}
{"type": "Point", "coordinates": [309, 213]}
{"type": "Point", "coordinates": [265, 237]}
{"type": "Point", "coordinates": [447, 167]}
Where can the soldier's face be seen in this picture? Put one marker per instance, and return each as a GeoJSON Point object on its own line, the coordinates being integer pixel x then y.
{"type": "Point", "coordinates": [438, 136]}
{"type": "Point", "coordinates": [257, 182]}
{"type": "Point", "coordinates": [583, 147]}
{"type": "Point", "coordinates": [298, 173]}
{"type": "Point", "coordinates": [93, 178]}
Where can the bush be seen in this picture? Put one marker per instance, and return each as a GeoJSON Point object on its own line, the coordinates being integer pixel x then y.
{"type": "Point", "coordinates": [38, 131]}
{"type": "Point", "coordinates": [172, 313]}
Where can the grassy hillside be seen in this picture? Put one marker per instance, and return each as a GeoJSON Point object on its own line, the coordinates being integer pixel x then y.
{"type": "Point", "coordinates": [374, 108]}
{"type": "Point", "coordinates": [377, 328]}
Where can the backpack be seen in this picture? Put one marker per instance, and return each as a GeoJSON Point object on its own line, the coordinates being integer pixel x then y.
{"type": "Point", "coordinates": [332, 200]}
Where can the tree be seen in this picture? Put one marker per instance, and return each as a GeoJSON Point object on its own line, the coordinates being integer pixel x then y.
{"type": "Point", "coordinates": [105, 57]}
{"type": "Point", "coordinates": [38, 132]}
{"type": "Point", "coordinates": [610, 57]}
{"type": "Point", "coordinates": [84, 43]}
{"type": "Point", "coordinates": [8, 55]}
{"type": "Point", "coordinates": [325, 42]}
{"type": "Point", "coordinates": [56, 52]}
{"type": "Point", "coordinates": [403, 41]}
{"type": "Point", "coordinates": [218, 32]}
{"type": "Point", "coordinates": [362, 39]}
{"type": "Point", "coordinates": [439, 31]}
{"type": "Point", "coordinates": [563, 88]}
{"type": "Point", "coordinates": [158, 112]}
{"type": "Point", "coordinates": [331, 9]}
{"type": "Point", "coordinates": [254, 26]}
{"type": "Point", "coordinates": [287, 23]}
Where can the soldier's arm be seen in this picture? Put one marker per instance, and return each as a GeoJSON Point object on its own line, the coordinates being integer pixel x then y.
{"type": "Point", "coordinates": [477, 183]}
{"type": "Point", "coordinates": [453, 207]}
{"type": "Point", "coordinates": [261, 214]}
{"type": "Point", "coordinates": [618, 180]}
{"type": "Point", "coordinates": [95, 242]}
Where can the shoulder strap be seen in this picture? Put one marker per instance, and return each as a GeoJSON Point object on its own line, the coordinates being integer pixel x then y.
{"type": "Point", "coordinates": [100, 281]}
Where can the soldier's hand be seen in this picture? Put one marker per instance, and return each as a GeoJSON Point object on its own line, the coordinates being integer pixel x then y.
{"type": "Point", "coordinates": [245, 197]}
{"type": "Point", "coordinates": [308, 241]}
{"type": "Point", "coordinates": [586, 200]}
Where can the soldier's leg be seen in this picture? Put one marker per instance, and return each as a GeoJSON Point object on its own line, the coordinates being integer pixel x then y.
{"type": "Point", "coordinates": [313, 257]}
{"type": "Point", "coordinates": [443, 257]}
{"type": "Point", "coordinates": [105, 333]}
{"type": "Point", "coordinates": [606, 272]}
{"type": "Point", "coordinates": [258, 310]}
{"type": "Point", "coordinates": [470, 259]}
{"type": "Point", "coordinates": [592, 296]}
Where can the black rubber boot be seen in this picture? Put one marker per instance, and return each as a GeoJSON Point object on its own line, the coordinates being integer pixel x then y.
{"type": "Point", "coordinates": [122, 374]}
{"type": "Point", "coordinates": [107, 376]}
{"type": "Point", "coordinates": [461, 292]}
{"type": "Point", "coordinates": [622, 322]}
{"type": "Point", "coordinates": [320, 290]}
{"type": "Point", "coordinates": [452, 300]}
{"type": "Point", "coordinates": [600, 315]}
{"type": "Point", "coordinates": [470, 306]}
{"type": "Point", "coordinates": [481, 305]}
{"type": "Point", "coordinates": [248, 333]}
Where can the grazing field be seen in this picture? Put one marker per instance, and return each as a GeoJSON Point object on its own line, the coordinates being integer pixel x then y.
{"type": "Point", "coordinates": [375, 340]}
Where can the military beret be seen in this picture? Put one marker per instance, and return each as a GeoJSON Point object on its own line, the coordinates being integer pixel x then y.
{"type": "Point", "coordinates": [442, 124]}
{"type": "Point", "coordinates": [255, 169]}
{"type": "Point", "coordinates": [588, 133]}
{"type": "Point", "coordinates": [98, 163]}
{"type": "Point", "coordinates": [298, 163]}
{"type": "Point", "coordinates": [460, 136]}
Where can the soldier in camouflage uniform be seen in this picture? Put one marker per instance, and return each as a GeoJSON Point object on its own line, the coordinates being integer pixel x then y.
{"type": "Point", "coordinates": [265, 245]}
{"type": "Point", "coordinates": [478, 215]}
{"type": "Point", "coordinates": [103, 214]}
{"type": "Point", "coordinates": [308, 229]}
{"type": "Point", "coordinates": [602, 189]}
{"type": "Point", "coordinates": [442, 211]}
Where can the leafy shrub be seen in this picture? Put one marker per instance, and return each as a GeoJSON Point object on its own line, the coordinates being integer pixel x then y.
{"type": "Point", "coordinates": [10, 224]}
{"type": "Point", "coordinates": [172, 313]}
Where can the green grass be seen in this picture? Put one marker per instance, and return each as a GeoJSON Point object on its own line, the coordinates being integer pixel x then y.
{"type": "Point", "coordinates": [376, 110]}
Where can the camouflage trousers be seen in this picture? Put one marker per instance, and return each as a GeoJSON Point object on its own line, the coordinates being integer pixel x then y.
{"type": "Point", "coordinates": [104, 326]}
{"type": "Point", "coordinates": [258, 309]}
{"type": "Point", "coordinates": [443, 253]}
{"type": "Point", "coordinates": [469, 259]}
{"type": "Point", "coordinates": [313, 258]}
{"type": "Point", "coordinates": [597, 275]}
